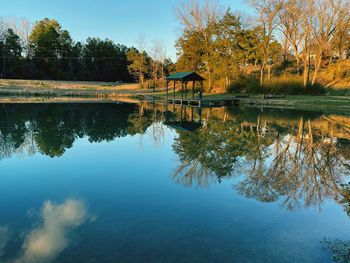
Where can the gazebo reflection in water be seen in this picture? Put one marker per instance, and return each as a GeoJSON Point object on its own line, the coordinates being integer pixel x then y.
{"type": "Point", "coordinates": [188, 119]}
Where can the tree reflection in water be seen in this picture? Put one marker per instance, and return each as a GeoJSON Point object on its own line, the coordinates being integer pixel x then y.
{"type": "Point", "coordinates": [53, 128]}
{"type": "Point", "coordinates": [290, 162]}
{"type": "Point", "coordinates": [305, 167]}
{"type": "Point", "coordinates": [297, 158]}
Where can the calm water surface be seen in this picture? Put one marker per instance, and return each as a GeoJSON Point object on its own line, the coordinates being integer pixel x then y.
{"type": "Point", "coordinates": [145, 183]}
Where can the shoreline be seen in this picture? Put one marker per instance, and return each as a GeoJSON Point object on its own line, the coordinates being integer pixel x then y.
{"type": "Point", "coordinates": [307, 103]}
{"type": "Point", "coordinates": [99, 92]}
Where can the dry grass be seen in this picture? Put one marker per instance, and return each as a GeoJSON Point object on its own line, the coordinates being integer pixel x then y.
{"type": "Point", "coordinates": [12, 90]}
{"type": "Point", "coordinates": [329, 76]}
{"type": "Point", "coordinates": [53, 100]}
{"type": "Point", "coordinates": [67, 85]}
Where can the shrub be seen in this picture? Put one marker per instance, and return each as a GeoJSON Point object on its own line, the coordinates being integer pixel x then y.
{"type": "Point", "coordinates": [286, 84]}
{"type": "Point", "coordinates": [243, 84]}
{"type": "Point", "coordinates": [292, 87]}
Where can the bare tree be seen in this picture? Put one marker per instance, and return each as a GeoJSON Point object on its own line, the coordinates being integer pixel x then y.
{"type": "Point", "coordinates": [138, 66]}
{"type": "Point", "coordinates": [2, 28]}
{"type": "Point", "coordinates": [141, 49]}
{"type": "Point", "coordinates": [154, 54]}
{"type": "Point", "coordinates": [342, 36]}
{"type": "Point", "coordinates": [324, 28]}
{"type": "Point", "coordinates": [307, 19]}
{"type": "Point", "coordinates": [21, 26]}
{"type": "Point", "coordinates": [158, 55]}
{"type": "Point", "coordinates": [291, 26]}
{"type": "Point", "coordinates": [267, 19]}
{"type": "Point", "coordinates": [24, 33]}
{"type": "Point", "coordinates": [285, 49]}
{"type": "Point", "coordinates": [162, 59]}
{"type": "Point", "coordinates": [199, 17]}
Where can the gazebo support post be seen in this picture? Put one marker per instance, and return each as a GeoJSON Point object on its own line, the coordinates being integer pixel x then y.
{"type": "Point", "coordinates": [182, 91]}
{"type": "Point", "coordinates": [193, 87]}
{"type": "Point", "coordinates": [174, 91]}
{"type": "Point", "coordinates": [200, 99]}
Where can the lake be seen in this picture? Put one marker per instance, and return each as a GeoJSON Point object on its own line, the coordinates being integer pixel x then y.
{"type": "Point", "coordinates": [153, 183]}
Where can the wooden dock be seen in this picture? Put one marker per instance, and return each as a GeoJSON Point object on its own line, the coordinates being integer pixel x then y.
{"type": "Point", "coordinates": [219, 102]}
{"type": "Point", "coordinates": [204, 102]}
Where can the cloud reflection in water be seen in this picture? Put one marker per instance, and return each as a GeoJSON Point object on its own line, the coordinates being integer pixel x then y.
{"type": "Point", "coordinates": [45, 243]}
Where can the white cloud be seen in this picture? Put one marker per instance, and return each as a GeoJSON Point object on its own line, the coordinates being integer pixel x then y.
{"type": "Point", "coordinates": [46, 242]}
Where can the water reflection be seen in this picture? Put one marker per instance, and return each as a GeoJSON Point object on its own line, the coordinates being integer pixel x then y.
{"type": "Point", "coordinates": [306, 167]}
{"type": "Point", "coordinates": [184, 122]}
{"type": "Point", "coordinates": [3, 239]}
{"type": "Point", "coordinates": [299, 162]}
{"type": "Point", "coordinates": [297, 158]}
{"type": "Point", "coordinates": [53, 128]}
{"type": "Point", "coordinates": [45, 242]}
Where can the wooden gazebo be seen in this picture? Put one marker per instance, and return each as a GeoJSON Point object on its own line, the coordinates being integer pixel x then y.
{"type": "Point", "coordinates": [185, 78]}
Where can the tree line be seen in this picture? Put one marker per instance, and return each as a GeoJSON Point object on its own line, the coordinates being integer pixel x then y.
{"type": "Point", "coordinates": [295, 38]}
{"type": "Point", "coordinates": [47, 51]}
{"type": "Point", "coordinates": [301, 35]}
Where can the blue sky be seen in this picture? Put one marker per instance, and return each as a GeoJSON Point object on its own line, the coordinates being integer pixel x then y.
{"type": "Point", "coordinates": [121, 21]}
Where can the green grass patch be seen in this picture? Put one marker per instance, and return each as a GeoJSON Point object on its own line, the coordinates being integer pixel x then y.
{"type": "Point", "coordinates": [338, 92]}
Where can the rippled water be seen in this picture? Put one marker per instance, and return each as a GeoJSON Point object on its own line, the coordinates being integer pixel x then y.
{"type": "Point", "coordinates": [149, 183]}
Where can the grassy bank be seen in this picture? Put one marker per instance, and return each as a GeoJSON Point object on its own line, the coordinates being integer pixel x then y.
{"type": "Point", "coordinates": [65, 89]}
{"type": "Point", "coordinates": [23, 91]}
{"type": "Point", "coordinates": [321, 103]}
{"type": "Point", "coordinates": [303, 102]}
{"type": "Point", "coordinates": [66, 85]}
{"type": "Point", "coordinates": [325, 103]}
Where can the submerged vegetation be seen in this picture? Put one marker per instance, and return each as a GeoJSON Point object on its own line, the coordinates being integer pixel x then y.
{"type": "Point", "coordinates": [340, 249]}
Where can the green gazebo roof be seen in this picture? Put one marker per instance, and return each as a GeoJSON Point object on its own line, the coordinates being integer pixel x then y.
{"type": "Point", "coordinates": [185, 76]}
